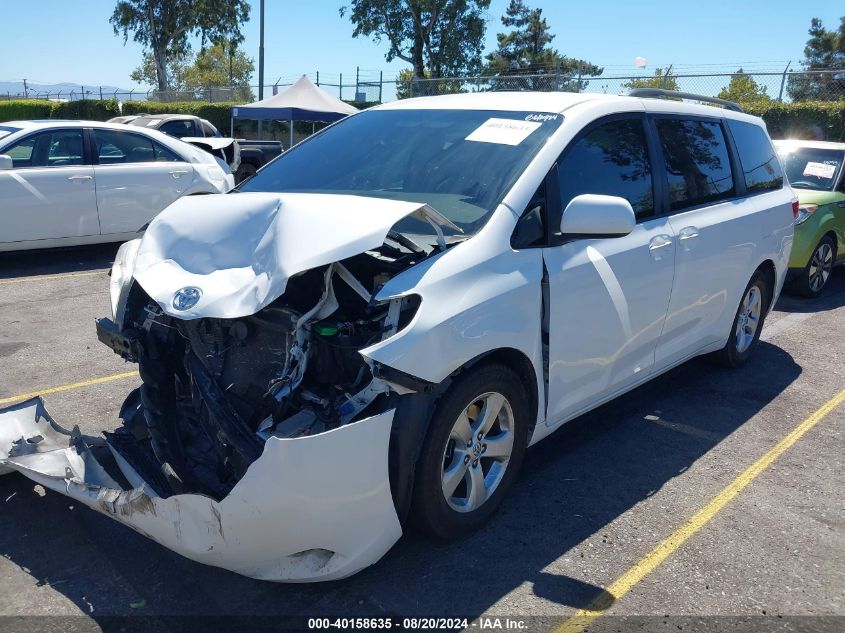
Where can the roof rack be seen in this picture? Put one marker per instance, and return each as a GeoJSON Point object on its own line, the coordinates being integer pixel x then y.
{"type": "Point", "coordinates": [659, 93]}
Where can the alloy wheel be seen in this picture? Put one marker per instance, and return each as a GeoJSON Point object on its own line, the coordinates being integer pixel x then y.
{"type": "Point", "coordinates": [748, 319]}
{"type": "Point", "coordinates": [820, 266]}
{"type": "Point", "coordinates": [477, 452]}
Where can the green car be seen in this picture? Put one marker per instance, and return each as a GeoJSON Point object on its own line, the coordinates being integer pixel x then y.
{"type": "Point", "coordinates": [814, 169]}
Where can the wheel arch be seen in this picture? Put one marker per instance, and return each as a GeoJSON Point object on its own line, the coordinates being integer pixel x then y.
{"type": "Point", "coordinates": [769, 272]}
{"type": "Point", "coordinates": [415, 410]}
{"type": "Point", "coordinates": [832, 235]}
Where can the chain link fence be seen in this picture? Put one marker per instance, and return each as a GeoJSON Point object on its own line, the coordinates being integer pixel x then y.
{"type": "Point", "coordinates": [370, 86]}
{"type": "Point", "coordinates": [828, 85]}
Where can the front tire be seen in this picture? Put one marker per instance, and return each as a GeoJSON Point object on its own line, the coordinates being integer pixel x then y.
{"type": "Point", "coordinates": [748, 323]}
{"type": "Point", "coordinates": [472, 452]}
{"type": "Point", "coordinates": [814, 277]}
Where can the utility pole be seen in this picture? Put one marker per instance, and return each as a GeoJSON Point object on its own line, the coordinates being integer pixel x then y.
{"type": "Point", "coordinates": [25, 90]}
{"type": "Point", "coordinates": [260, 59]}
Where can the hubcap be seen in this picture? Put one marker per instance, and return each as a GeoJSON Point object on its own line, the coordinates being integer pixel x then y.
{"type": "Point", "coordinates": [748, 318]}
{"type": "Point", "coordinates": [477, 452]}
{"type": "Point", "coordinates": [820, 266]}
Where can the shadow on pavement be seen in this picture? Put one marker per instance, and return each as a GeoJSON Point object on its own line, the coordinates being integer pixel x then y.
{"type": "Point", "coordinates": [832, 296]}
{"type": "Point", "coordinates": [56, 261]}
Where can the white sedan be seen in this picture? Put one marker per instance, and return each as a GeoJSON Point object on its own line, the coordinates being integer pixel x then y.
{"type": "Point", "coordinates": [68, 183]}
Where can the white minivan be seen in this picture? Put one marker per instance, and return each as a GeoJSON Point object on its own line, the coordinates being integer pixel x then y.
{"type": "Point", "coordinates": [368, 333]}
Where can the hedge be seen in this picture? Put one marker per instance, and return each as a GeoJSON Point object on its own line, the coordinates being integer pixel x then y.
{"type": "Point", "coordinates": [810, 119]}
{"type": "Point", "coordinates": [818, 120]}
{"type": "Point", "coordinates": [89, 109]}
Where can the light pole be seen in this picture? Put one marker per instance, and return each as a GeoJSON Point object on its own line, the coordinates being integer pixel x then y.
{"type": "Point", "coordinates": [260, 58]}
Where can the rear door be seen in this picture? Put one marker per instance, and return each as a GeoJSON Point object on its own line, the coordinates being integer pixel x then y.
{"type": "Point", "coordinates": [607, 298]}
{"type": "Point", "coordinates": [50, 191]}
{"type": "Point", "coordinates": [717, 232]}
{"type": "Point", "coordinates": [136, 179]}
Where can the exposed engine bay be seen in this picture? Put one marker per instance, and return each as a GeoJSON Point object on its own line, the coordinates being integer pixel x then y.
{"type": "Point", "coordinates": [214, 390]}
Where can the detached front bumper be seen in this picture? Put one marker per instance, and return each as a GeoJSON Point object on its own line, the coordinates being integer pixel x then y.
{"type": "Point", "coordinates": [311, 508]}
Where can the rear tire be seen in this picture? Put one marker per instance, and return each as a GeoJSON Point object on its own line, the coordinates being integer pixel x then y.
{"type": "Point", "coordinates": [813, 278]}
{"type": "Point", "coordinates": [747, 324]}
{"type": "Point", "coordinates": [474, 447]}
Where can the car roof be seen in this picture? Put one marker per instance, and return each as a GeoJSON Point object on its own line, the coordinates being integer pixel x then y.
{"type": "Point", "coordinates": [526, 101]}
{"type": "Point", "coordinates": [794, 142]}
{"type": "Point", "coordinates": [166, 117]}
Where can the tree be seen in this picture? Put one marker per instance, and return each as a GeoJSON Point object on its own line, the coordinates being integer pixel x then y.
{"type": "Point", "coordinates": [146, 72]}
{"type": "Point", "coordinates": [217, 66]}
{"type": "Point", "coordinates": [526, 50]}
{"type": "Point", "coordinates": [439, 38]}
{"type": "Point", "coordinates": [404, 83]}
{"type": "Point", "coordinates": [222, 65]}
{"type": "Point", "coordinates": [164, 27]}
{"type": "Point", "coordinates": [825, 50]}
{"type": "Point", "coordinates": [743, 89]}
{"type": "Point", "coordinates": [661, 79]}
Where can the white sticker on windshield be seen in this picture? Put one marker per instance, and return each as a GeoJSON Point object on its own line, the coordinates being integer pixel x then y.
{"type": "Point", "coordinates": [153, 122]}
{"type": "Point", "coordinates": [819, 170]}
{"type": "Point", "coordinates": [503, 131]}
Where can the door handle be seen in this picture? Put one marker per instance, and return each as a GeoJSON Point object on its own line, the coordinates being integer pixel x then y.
{"type": "Point", "coordinates": [178, 173]}
{"type": "Point", "coordinates": [688, 233]}
{"type": "Point", "coordinates": [658, 242]}
{"type": "Point", "coordinates": [78, 178]}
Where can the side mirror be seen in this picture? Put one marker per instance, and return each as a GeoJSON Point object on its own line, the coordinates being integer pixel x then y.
{"type": "Point", "coordinates": [592, 215]}
{"type": "Point", "coordinates": [6, 162]}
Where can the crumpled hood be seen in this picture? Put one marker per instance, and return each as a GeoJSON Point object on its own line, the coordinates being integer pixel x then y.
{"type": "Point", "coordinates": [240, 249]}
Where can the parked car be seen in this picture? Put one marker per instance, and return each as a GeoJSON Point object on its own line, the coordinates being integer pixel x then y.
{"type": "Point", "coordinates": [372, 330]}
{"type": "Point", "coordinates": [67, 183]}
{"type": "Point", "coordinates": [254, 155]}
{"type": "Point", "coordinates": [814, 169]}
{"type": "Point", "coordinates": [251, 155]}
{"type": "Point", "coordinates": [190, 129]}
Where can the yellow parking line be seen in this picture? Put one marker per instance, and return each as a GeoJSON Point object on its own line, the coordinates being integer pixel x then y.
{"type": "Point", "coordinates": [622, 585]}
{"type": "Point", "coordinates": [75, 385]}
{"type": "Point", "coordinates": [21, 280]}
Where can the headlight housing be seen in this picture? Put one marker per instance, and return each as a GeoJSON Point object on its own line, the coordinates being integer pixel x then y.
{"type": "Point", "coordinates": [121, 275]}
{"type": "Point", "coordinates": [804, 212]}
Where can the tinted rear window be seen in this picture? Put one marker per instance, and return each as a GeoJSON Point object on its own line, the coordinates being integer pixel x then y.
{"type": "Point", "coordinates": [698, 165]}
{"type": "Point", "coordinates": [760, 165]}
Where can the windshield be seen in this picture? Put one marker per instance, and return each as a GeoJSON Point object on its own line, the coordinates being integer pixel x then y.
{"type": "Point", "coordinates": [461, 162]}
{"type": "Point", "coordinates": [811, 167]}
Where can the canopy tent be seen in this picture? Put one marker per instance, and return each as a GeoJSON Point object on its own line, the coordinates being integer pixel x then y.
{"type": "Point", "coordinates": [303, 101]}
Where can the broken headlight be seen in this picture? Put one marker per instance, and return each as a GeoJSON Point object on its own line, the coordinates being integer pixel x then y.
{"type": "Point", "coordinates": [121, 275]}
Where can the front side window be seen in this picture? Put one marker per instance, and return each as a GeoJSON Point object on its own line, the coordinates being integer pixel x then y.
{"type": "Point", "coordinates": [698, 165]}
{"type": "Point", "coordinates": [611, 160]}
{"type": "Point", "coordinates": [461, 162]}
{"type": "Point", "coordinates": [118, 148]}
{"type": "Point", "coordinates": [760, 165]}
{"type": "Point", "coordinates": [811, 167]}
{"type": "Point", "coordinates": [57, 148]}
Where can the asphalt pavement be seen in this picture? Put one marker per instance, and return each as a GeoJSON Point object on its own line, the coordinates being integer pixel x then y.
{"type": "Point", "coordinates": [591, 502]}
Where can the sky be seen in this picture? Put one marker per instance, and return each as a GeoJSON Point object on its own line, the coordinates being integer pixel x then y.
{"type": "Point", "coordinates": [52, 41]}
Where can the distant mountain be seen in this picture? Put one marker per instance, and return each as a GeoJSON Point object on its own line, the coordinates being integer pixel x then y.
{"type": "Point", "coordinates": [63, 91]}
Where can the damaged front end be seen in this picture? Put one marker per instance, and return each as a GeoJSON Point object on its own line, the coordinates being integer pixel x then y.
{"type": "Point", "coordinates": [259, 439]}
